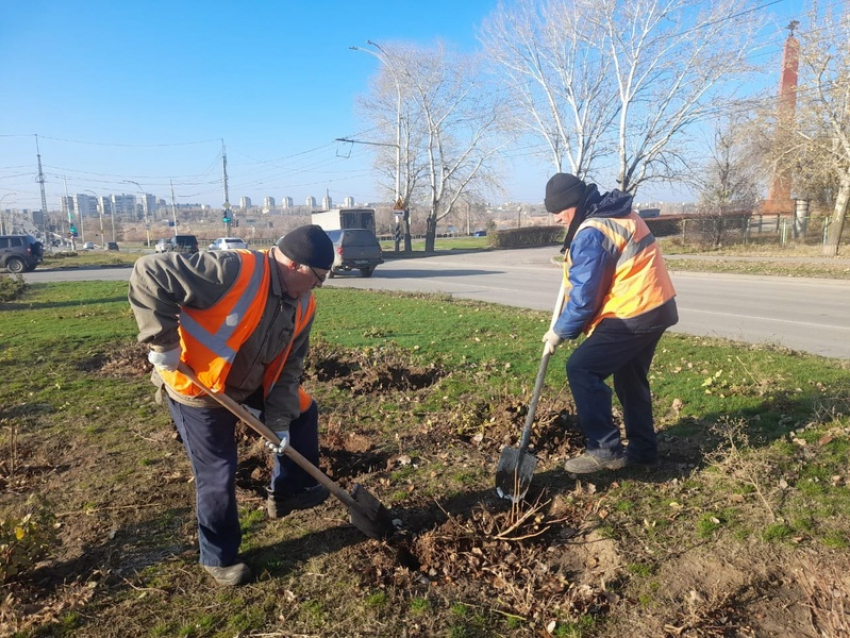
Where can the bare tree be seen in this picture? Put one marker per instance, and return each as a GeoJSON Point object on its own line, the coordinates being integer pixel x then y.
{"type": "Point", "coordinates": [447, 119]}
{"type": "Point", "coordinates": [628, 77]}
{"type": "Point", "coordinates": [555, 77]}
{"type": "Point", "coordinates": [729, 183]}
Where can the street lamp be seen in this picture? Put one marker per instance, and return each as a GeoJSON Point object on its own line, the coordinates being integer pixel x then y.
{"type": "Point", "coordinates": [385, 60]}
{"type": "Point", "coordinates": [145, 208]}
{"type": "Point", "coordinates": [2, 215]}
{"type": "Point", "coordinates": [100, 213]}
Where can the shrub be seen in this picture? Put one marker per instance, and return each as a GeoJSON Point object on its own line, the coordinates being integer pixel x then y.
{"type": "Point", "coordinates": [25, 541]}
{"type": "Point", "coordinates": [529, 237]}
{"type": "Point", "coordinates": [11, 287]}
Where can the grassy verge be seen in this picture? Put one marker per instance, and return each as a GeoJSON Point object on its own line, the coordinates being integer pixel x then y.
{"type": "Point", "coordinates": [418, 394]}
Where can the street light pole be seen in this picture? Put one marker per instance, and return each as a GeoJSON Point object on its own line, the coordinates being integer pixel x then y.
{"type": "Point", "coordinates": [385, 60]}
{"type": "Point", "coordinates": [100, 214]}
{"type": "Point", "coordinates": [145, 208]}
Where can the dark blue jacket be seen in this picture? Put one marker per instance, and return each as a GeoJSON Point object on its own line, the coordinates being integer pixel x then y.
{"type": "Point", "coordinates": [591, 276]}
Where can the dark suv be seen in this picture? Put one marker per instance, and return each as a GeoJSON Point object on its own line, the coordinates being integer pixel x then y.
{"type": "Point", "coordinates": [355, 249]}
{"type": "Point", "coordinates": [20, 253]}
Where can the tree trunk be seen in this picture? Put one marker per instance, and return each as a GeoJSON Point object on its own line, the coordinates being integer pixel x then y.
{"type": "Point", "coordinates": [430, 233]}
{"type": "Point", "coordinates": [833, 238]}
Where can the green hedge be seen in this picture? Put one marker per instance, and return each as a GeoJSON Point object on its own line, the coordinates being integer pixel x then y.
{"type": "Point", "coordinates": [530, 237]}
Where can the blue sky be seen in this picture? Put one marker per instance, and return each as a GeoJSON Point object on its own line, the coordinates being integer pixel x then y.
{"type": "Point", "coordinates": [125, 90]}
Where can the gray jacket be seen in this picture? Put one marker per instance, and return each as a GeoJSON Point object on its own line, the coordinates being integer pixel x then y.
{"type": "Point", "coordinates": [162, 283]}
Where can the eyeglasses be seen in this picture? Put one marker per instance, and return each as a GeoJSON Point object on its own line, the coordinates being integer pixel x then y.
{"type": "Point", "coordinates": [319, 280]}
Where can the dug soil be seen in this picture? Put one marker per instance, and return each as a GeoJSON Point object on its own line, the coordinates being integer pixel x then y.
{"type": "Point", "coordinates": [462, 561]}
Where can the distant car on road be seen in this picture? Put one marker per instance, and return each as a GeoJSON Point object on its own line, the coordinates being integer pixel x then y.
{"type": "Point", "coordinates": [355, 249]}
{"type": "Point", "coordinates": [229, 243]}
{"type": "Point", "coordinates": [89, 245]}
{"type": "Point", "coordinates": [479, 233]}
{"type": "Point", "coordinates": [112, 245]}
{"type": "Point", "coordinates": [177, 244]}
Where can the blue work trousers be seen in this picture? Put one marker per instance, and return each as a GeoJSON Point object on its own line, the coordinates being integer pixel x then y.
{"type": "Point", "coordinates": [627, 357]}
{"type": "Point", "coordinates": [208, 436]}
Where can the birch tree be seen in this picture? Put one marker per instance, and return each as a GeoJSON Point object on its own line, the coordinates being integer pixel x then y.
{"type": "Point", "coordinates": [616, 85]}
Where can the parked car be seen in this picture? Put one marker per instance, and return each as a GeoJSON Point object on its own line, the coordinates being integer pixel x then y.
{"type": "Point", "coordinates": [89, 245]}
{"type": "Point", "coordinates": [228, 243]}
{"type": "Point", "coordinates": [355, 249]}
{"type": "Point", "coordinates": [112, 245]}
{"type": "Point", "coordinates": [177, 244]}
{"type": "Point", "coordinates": [479, 233]}
{"type": "Point", "coordinates": [20, 253]}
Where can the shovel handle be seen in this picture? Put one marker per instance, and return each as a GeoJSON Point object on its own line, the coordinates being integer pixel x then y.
{"type": "Point", "coordinates": [541, 374]}
{"type": "Point", "coordinates": [263, 430]}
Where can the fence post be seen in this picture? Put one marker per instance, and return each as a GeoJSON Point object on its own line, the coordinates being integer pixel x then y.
{"type": "Point", "coordinates": [684, 222]}
{"type": "Point", "coordinates": [761, 222]}
{"type": "Point", "coordinates": [825, 232]}
{"type": "Point", "coordinates": [784, 232]}
{"type": "Point", "coordinates": [777, 222]}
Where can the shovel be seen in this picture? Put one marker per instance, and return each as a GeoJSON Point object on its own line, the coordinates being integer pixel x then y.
{"type": "Point", "coordinates": [516, 465]}
{"type": "Point", "coordinates": [365, 511]}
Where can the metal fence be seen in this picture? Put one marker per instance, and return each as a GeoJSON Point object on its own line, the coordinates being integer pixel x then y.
{"type": "Point", "coordinates": [745, 228]}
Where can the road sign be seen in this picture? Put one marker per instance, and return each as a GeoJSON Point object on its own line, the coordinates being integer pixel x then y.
{"type": "Point", "coordinates": [399, 205]}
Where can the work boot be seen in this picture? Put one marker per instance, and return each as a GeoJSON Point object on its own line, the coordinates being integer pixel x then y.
{"type": "Point", "coordinates": [588, 463]}
{"type": "Point", "coordinates": [303, 500]}
{"type": "Point", "coordinates": [230, 576]}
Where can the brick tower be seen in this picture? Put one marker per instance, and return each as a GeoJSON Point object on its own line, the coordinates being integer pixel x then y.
{"type": "Point", "coordinates": [779, 194]}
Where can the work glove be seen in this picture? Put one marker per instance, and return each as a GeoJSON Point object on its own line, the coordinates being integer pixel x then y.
{"type": "Point", "coordinates": [167, 360]}
{"type": "Point", "coordinates": [283, 435]}
{"type": "Point", "coordinates": [552, 341]}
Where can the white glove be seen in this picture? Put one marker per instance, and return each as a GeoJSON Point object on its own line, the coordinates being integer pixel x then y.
{"type": "Point", "coordinates": [168, 360]}
{"type": "Point", "coordinates": [283, 435]}
{"type": "Point", "coordinates": [552, 341]}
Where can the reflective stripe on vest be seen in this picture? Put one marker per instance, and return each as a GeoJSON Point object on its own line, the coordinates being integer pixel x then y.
{"type": "Point", "coordinates": [210, 338]}
{"type": "Point", "coordinates": [641, 282]}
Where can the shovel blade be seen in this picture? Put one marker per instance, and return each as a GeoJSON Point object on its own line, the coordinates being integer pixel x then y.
{"type": "Point", "coordinates": [514, 472]}
{"type": "Point", "coordinates": [370, 516]}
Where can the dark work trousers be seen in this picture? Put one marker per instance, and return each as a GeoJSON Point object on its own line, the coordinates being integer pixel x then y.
{"type": "Point", "coordinates": [208, 436]}
{"type": "Point", "coordinates": [627, 357]}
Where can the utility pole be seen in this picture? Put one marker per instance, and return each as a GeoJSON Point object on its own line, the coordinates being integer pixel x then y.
{"type": "Point", "coordinates": [173, 210]}
{"type": "Point", "coordinates": [226, 216]}
{"type": "Point", "coordinates": [43, 196]}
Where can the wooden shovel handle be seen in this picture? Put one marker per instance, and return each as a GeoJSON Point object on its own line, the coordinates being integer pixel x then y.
{"type": "Point", "coordinates": [263, 430]}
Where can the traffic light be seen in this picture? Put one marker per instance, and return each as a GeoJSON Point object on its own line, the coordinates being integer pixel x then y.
{"type": "Point", "coordinates": [236, 223]}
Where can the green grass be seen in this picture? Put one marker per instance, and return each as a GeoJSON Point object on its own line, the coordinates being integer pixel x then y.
{"type": "Point", "coordinates": [759, 440]}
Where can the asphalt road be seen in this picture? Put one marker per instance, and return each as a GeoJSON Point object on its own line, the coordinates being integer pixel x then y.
{"type": "Point", "coordinates": [811, 315]}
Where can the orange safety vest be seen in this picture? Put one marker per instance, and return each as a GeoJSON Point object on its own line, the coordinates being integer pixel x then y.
{"type": "Point", "coordinates": [210, 338]}
{"type": "Point", "coordinates": [641, 282]}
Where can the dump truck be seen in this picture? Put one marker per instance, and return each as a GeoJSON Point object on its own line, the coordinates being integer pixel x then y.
{"type": "Point", "coordinates": [345, 218]}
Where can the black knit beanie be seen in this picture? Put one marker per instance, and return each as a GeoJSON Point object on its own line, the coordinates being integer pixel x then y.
{"type": "Point", "coordinates": [309, 246]}
{"type": "Point", "coordinates": [563, 191]}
